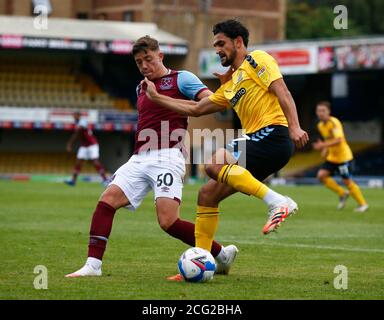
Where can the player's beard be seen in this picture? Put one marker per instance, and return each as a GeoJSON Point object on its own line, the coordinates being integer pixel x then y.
{"type": "Point", "coordinates": [229, 59]}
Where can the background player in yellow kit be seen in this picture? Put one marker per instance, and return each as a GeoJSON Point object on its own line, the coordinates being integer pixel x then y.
{"type": "Point", "coordinates": [338, 157]}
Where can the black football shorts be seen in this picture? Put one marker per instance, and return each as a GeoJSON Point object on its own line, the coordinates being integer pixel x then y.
{"type": "Point", "coordinates": [343, 169]}
{"type": "Point", "coordinates": [263, 152]}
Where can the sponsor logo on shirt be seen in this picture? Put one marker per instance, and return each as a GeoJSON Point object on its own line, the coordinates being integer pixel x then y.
{"type": "Point", "coordinates": [166, 83]}
{"type": "Point", "coordinates": [237, 96]}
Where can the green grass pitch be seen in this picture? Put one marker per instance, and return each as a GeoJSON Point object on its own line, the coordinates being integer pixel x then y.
{"type": "Point", "coordinates": [47, 224]}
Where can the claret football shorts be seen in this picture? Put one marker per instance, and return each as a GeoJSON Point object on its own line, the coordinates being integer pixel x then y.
{"type": "Point", "coordinates": [159, 170]}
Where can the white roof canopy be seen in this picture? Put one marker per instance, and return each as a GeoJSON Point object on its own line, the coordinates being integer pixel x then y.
{"type": "Point", "coordinates": [87, 30]}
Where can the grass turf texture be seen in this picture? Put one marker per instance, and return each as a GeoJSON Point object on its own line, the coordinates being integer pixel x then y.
{"type": "Point", "coordinates": [47, 224]}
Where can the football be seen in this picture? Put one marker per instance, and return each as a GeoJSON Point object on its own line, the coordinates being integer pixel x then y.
{"type": "Point", "coordinates": [197, 265]}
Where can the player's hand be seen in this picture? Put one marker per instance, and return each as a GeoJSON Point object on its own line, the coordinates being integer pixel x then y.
{"type": "Point", "coordinates": [149, 88]}
{"type": "Point", "coordinates": [324, 153]}
{"type": "Point", "coordinates": [318, 145]}
{"type": "Point", "coordinates": [224, 77]}
{"type": "Point", "coordinates": [69, 148]}
{"type": "Point", "coordinates": [298, 136]}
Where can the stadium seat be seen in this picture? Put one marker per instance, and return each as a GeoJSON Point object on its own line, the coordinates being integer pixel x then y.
{"type": "Point", "coordinates": [34, 83]}
{"type": "Point", "coordinates": [28, 162]}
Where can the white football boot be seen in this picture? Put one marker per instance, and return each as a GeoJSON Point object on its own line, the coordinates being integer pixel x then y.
{"type": "Point", "coordinates": [223, 267]}
{"type": "Point", "coordinates": [91, 268]}
{"type": "Point", "coordinates": [342, 201]}
{"type": "Point", "coordinates": [278, 213]}
{"type": "Point", "coordinates": [362, 208]}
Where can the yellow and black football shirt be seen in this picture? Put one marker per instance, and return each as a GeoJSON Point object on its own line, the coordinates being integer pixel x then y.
{"type": "Point", "coordinates": [247, 93]}
{"type": "Point", "coordinates": [333, 129]}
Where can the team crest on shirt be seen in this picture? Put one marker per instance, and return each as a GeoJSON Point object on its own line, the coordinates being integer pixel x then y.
{"type": "Point", "coordinates": [166, 83]}
{"type": "Point", "coordinates": [263, 75]}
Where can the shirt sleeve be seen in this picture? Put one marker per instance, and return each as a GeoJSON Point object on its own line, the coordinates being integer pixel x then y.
{"type": "Point", "coordinates": [266, 70]}
{"type": "Point", "coordinates": [189, 84]}
{"type": "Point", "coordinates": [337, 129]}
{"type": "Point", "coordinates": [82, 124]}
{"type": "Point", "coordinates": [219, 98]}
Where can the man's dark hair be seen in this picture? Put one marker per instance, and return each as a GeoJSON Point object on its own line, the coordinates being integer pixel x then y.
{"type": "Point", "coordinates": [232, 29]}
{"type": "Point", "coordinates": [144, 44]}
{"type": "Point", "coordinates": [325, 103]}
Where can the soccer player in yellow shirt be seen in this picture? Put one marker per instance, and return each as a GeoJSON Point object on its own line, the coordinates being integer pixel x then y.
{"type": "Point", "coordinates": [338, 156]}
{"type": "Point", "coordinates": [255, 89]}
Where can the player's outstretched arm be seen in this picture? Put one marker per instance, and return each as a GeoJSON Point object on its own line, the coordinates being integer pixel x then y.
{"type": "Point", "coordinates": [184, 107]}
{"type": "Point", "coordinates": [299, 136]}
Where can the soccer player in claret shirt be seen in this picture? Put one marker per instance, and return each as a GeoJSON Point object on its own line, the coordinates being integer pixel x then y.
{"type": "Point", "coordinates": [338, 156]}
{"type": "Point", "coordinates": [88, 150]}
{"type": "Point", "coordinates": [254, 87]}
{"type": "Point", "coordinates": [158, 164]}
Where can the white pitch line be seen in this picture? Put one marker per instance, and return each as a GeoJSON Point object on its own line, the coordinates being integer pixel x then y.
{"type": "Point", "coordinates": [300, 245]}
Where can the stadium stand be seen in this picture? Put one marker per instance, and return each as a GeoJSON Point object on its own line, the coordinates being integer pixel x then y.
{"type": "Point", "coordinates": [56, 85]}
{"type": "Point", "coordinates": [371, 162]}
{"type": "Point", "coordinates": [40, 162]}
{"type": "Point", "coordinates": [307, 163]}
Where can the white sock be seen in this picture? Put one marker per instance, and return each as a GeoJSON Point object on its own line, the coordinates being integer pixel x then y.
{"type": "Point", "coordinates": [221, 257]}
{"type": "Point", "coordinates": [273, 198]}
{"type": "Point", "coordinates": [94, 263]}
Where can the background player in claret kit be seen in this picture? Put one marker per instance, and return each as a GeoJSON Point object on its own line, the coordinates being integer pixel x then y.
{"type": "Point", "coordinates": [88, 150]}
{"type": "Point", "coordinates": [338, 157]}
{"type": "Point", "coordinates": [157, 164]}
{"type": "Point", "coordinates": [254, 87]}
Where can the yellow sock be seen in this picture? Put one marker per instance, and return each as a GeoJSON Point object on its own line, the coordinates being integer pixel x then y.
{"type": "Point", "coordinates": [334, 186]}
{"type": "Point", "coordinates": [242, 180]}
{"type": "Point", "coordinates": [207, 220]}
{"type": "Point", "coordinates": [356, 193]}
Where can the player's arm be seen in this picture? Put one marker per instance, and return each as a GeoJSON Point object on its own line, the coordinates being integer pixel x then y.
{"type": "Point", "coordinates": [203, 94]}
{"type": "Point", "coordinates": [325, 144]}
{"type": "Point", "coordinates": [181, 106]}
{"type": "Point", "coordinates": [72, 139]}
{"type": "Point", "coordinates": [319, 145]}
{"type": "Point", "coordinates": [279, 88]}
{"type": "Point", "coordinates": [337, 138]}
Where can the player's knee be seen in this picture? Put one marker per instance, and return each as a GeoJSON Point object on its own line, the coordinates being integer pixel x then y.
{"type": "Point", "coordinates": [166, 222]}
{"type": "Point", "coordinates": [109, 198]}
{"type": "Point", "coordinates": [164, 225]}
{"type": "Point", "coordinates": [321, 176]}
{"type": "Point", "coordinates": [207, 197]}
{"type": "Point", "coordinates": [113, 197]}
{"type": "Point", "coordinates": [212, 170]}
